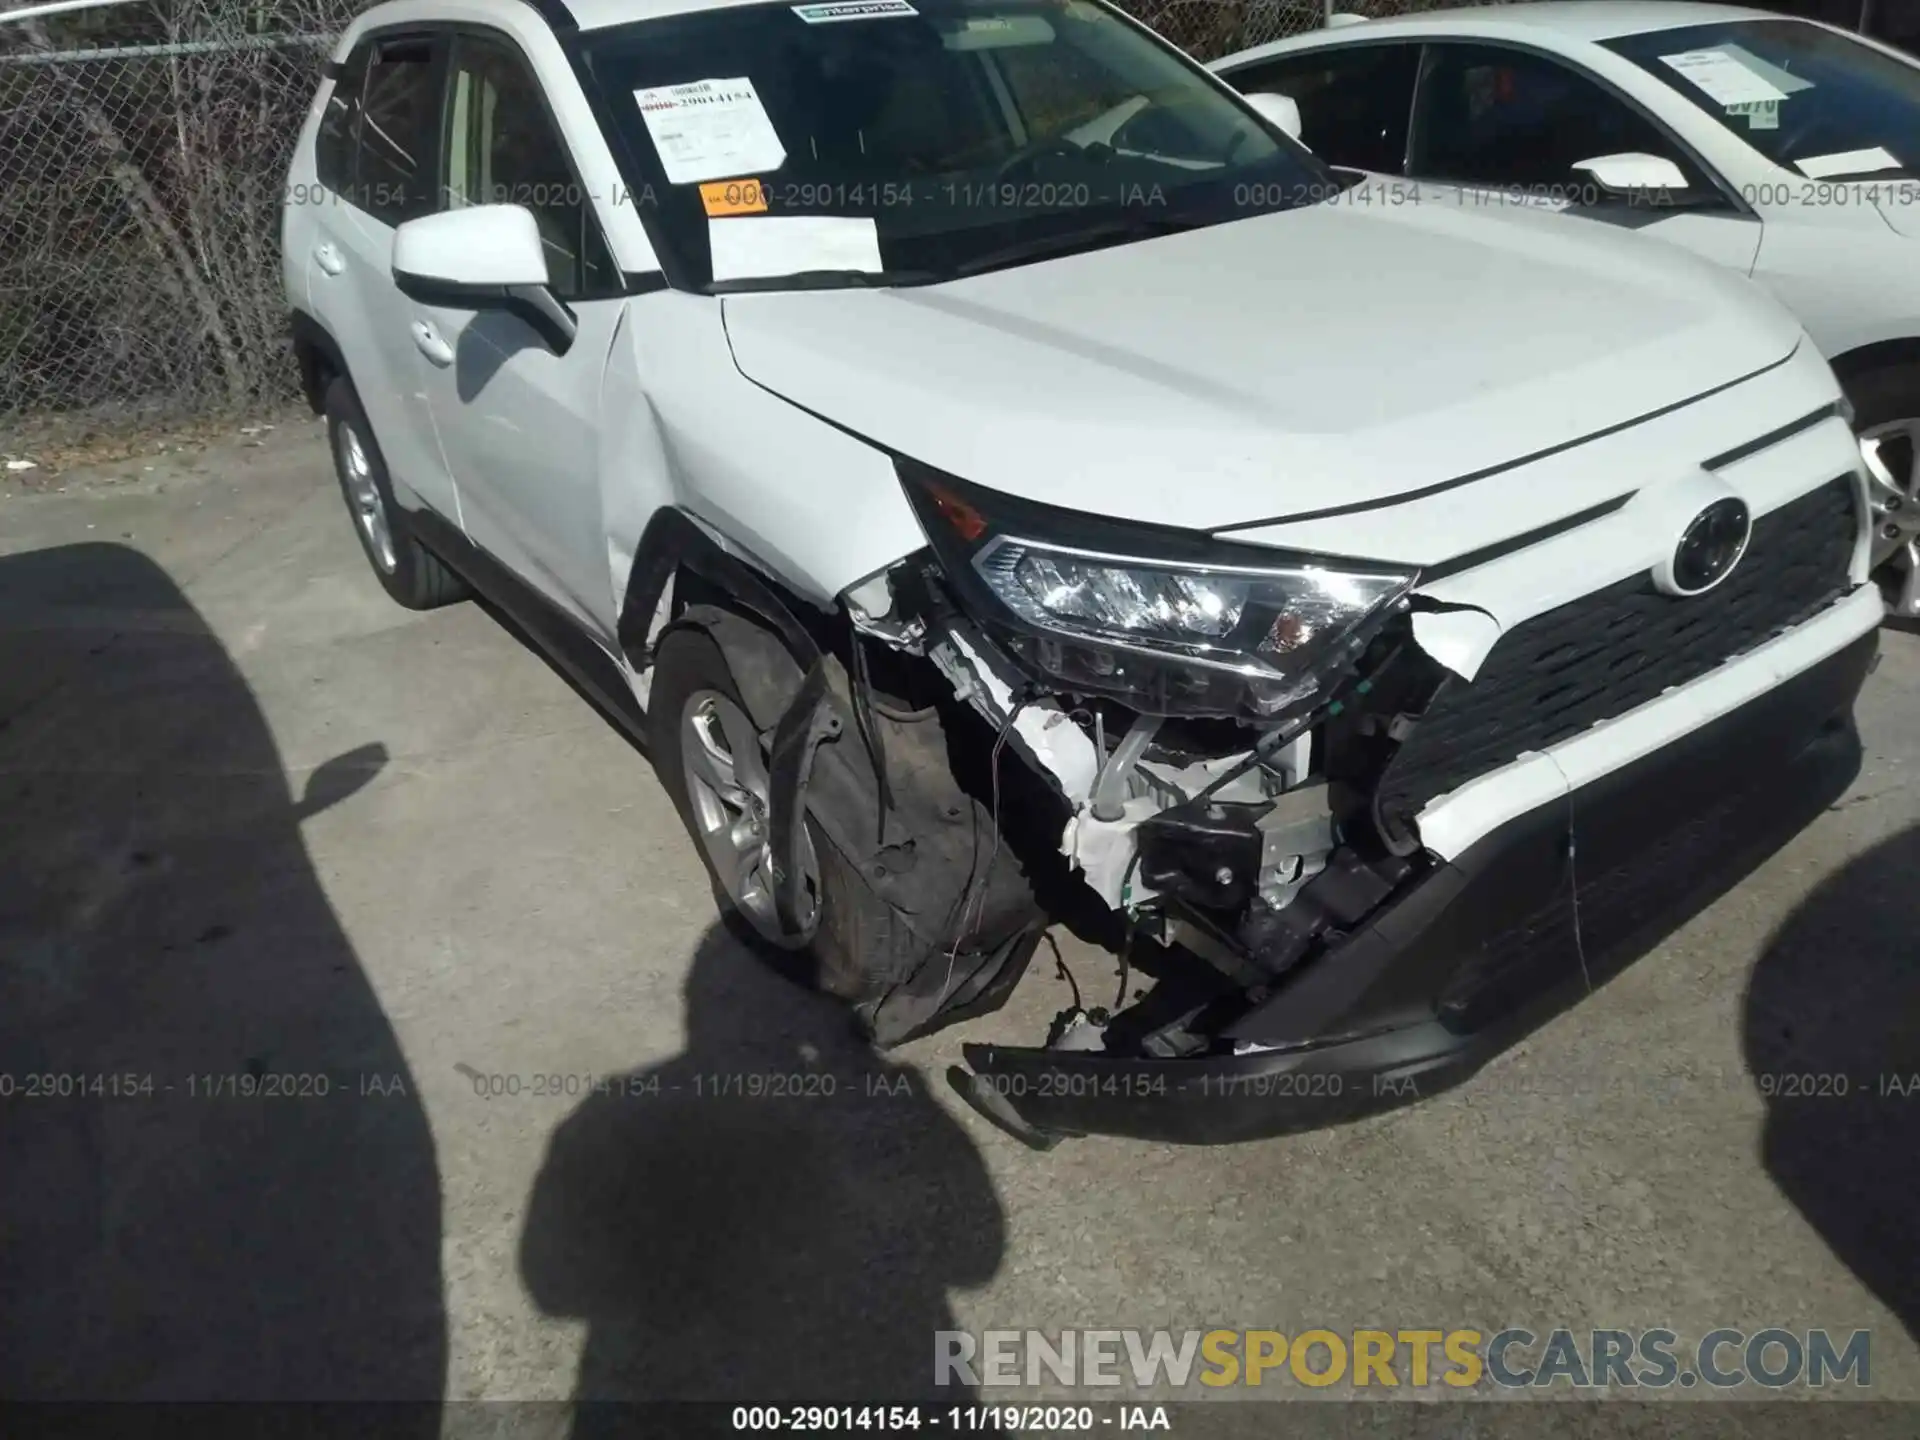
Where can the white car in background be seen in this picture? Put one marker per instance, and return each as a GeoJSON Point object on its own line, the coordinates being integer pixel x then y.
{"type": "Point", "coordinates": [1781, 148]}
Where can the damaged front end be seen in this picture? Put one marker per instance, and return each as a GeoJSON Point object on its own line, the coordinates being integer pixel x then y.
{"type": "Point", "coordinates": [1224, 737]}
{"type": "Point", "coordinates": [1178, 700]}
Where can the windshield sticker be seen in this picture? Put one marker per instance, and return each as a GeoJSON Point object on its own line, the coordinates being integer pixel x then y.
{"type": "Point", "coordinates": [998, 32]}
{"type": "Point", "coordinates": [765, 246]}
{"type": "Point", "coordinates": [1759, 114]}
{"type": "Point", "coordinates": [710, 128]}
{"type": "Point", "coordinates": [1725, 80]}
{"type": "Point", "coordinates": [853, 10]}
{"type": "Point", "coordinates": [1785, 81]}
{"type": "Point", "coordinates": [1848, 162]}
{"type": "Point", "coordinates": [733, 197]}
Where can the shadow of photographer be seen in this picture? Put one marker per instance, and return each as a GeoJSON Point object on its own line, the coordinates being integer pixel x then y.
{"type": "Point", "coordinates": [202, 1201]}
{"type": "Point", "coordinates": [1832, 1037]}
{"type": "Point", "coordinates": [774, 1215]}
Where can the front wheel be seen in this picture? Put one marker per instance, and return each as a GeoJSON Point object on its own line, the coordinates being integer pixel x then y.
{"type": "Point", "coordinates": [712, 763]}
{"type": "Point", "coordinates": [728, 803]}
{"type": "Point", "coordinates": [1887, 416]}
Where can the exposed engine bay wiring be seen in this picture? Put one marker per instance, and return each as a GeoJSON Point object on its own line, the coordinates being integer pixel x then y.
{"type": "Point", "coordinates": [1060, 967]}
{"type": "Point", "coordinates": [972, 897]}
{"type": "Point", "coordinates": [863, 711]}
{"type": "Point", "coordinates": [1126, 943]}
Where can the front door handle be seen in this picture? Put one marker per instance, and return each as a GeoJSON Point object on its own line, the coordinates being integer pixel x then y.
{"type": "Point", "coordinates": [328, 257]}
{"type": "Point", "coordinates": [428, 340]}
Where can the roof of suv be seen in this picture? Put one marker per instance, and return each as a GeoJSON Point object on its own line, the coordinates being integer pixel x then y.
{"type": "Point", "coordinates": [1576, 19]}
{"type": "Point", "coordinates": [1572, 19]}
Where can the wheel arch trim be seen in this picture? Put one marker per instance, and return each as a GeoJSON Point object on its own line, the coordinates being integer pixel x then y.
{"type": "Point", "coordinates": [315, 349]}
{"type": "Point", "coordinates": [1876, 355]}
{"type": "Point", "coordinates": [672, 542]}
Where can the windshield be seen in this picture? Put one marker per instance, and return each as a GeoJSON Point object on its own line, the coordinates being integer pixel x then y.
{"type": "Point", "coordinates": [903, 141]}
{"type": "Point", "coordinates": [1818, 101]}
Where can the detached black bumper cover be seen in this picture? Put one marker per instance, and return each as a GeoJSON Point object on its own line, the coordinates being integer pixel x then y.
{"type": "Point", "coordinates": [1485, 949]}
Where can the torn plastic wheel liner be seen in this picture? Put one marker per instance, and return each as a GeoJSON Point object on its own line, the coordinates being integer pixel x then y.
{"type": "Point", "coordinates": [954, 920]}
{"type": "Point", "coordinates": [807, 720]}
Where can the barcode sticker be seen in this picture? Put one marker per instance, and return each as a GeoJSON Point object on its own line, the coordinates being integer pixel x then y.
{"type": "Point", "coordinates": [707, 129]}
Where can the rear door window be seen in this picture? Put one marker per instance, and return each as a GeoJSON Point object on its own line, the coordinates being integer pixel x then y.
{"type": "Point", "coordinates": [339, 125]}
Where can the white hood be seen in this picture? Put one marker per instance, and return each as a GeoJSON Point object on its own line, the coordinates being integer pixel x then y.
{"type": "Point", "coordinates": [1900, 217]}
{"type": "Point", "coordinates": [1269, 367]}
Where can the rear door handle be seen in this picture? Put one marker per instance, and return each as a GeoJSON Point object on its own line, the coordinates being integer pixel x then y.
{"type": "Point", "coordinates": [428, 340]}
{"type": "Point", "coordinates": [328, 257]}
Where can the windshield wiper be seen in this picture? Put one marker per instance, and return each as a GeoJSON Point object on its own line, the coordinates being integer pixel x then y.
{"type": "Point", "coordinates": [1074, 242]}
{"type": "Point", "coordinates": [1660, 202]}
{"type": "Point", "coordinates": [823, 280]}
{"type": "Point", "coordinates": [1898, 172]}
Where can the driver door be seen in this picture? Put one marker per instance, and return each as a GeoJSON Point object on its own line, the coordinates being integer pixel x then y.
{"type": "Point", "coordinates": [1498, 126]}
{"type": "Point", "coordinates": [521, 423]}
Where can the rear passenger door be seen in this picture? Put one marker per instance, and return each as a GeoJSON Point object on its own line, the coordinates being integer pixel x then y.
{"type": "Point", "coordinates": [1355, 100]}
{"type": "Point", "coordinates": [374, 159]}
{"type": "Point", "coordinates": [1501, 126]}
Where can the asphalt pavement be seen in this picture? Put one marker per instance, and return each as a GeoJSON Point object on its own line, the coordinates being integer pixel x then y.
{"type": "Point", "coordinates": [344, 917]}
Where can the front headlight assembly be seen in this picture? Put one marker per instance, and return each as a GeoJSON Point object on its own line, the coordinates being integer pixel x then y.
{"type": "Point", "coordinates": [1169, 622]}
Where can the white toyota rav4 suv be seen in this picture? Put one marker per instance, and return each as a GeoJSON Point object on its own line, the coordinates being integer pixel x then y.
{"type": "Point", "coordinates": [1001, 479]}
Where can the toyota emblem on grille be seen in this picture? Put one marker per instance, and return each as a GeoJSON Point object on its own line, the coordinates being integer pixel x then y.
{"type": "Point", "coordinates": [1709, 548]}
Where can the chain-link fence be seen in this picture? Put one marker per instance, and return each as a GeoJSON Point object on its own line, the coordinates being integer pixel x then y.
{"type": "Point", "coordinates": [139, 208]}
{"type": "Point", "coordinates": [1210, 28]}
{"type": "Point", "coordinates": [141, 179]}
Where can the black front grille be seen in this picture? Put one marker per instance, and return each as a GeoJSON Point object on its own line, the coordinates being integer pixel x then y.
{"type": "Point", "coordinates": [1605, 653]}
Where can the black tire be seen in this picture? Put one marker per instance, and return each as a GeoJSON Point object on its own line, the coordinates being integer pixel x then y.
{"type": "Point", "coordinates": [1889, 393]}
{"type": "Point", "coordinates": [853, 924]}
{"type": "Point", "coordinates": [413, 575]}
{"type": "Point", "coordinates": [1879, 397]}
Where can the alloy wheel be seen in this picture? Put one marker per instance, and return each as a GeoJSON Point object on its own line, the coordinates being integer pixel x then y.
{"type": "Point", "coordinates": [728, 785]}
{"type": "Point", "coordinates": [363, 498]}
{"type": "Point", "coordinates": [1892, 453]}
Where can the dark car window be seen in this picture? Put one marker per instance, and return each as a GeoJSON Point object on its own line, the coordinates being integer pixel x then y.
{"type": "Point", "coordinates": [1488, 115]}
{"type": "Point", "coordinates": [1844, 107]}
{"type": "Point", "coordinates": [333, 146]}
{"type": "Point", "coordinates": [1901, 28]}
{"type": "Point", "coordinates": [1895, 21]}
{"type": "Point", "coordinates": [1897, 25]}
{"type": "Point", "coordinates": [1845, 13]}
{"type": "Point", "coordinates": [1354, 102]}
{"type": "Point", "coordinates": [398, 120]}
{"type": "Point", "coordinates": [499, 147]}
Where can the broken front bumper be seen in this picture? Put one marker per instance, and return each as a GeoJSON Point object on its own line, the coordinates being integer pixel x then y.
{"type": "Point", "coordinates": [1482, 949]}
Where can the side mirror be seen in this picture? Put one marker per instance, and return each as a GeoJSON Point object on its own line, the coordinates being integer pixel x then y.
{"type": "Point", "coordinates": [1281, 110]}
{"type": "Point", "coordinates": [1632, 173]}
{"type": "Point", "coordinates": [482, 257]}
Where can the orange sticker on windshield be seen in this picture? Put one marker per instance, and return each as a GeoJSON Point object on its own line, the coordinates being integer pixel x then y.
{"type": "Point", "coordinates": [734, 197]}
